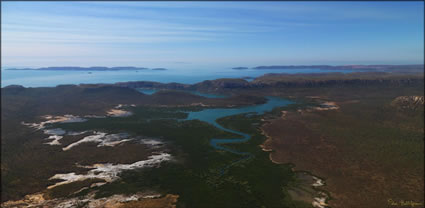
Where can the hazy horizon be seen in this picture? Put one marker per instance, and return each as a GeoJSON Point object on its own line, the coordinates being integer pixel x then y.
{"type": "Point", "coordinates": [203, 67]}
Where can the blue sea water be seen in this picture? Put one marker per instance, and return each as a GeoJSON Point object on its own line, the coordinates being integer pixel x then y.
{"type": "Point", "coordinates": [32, 78]}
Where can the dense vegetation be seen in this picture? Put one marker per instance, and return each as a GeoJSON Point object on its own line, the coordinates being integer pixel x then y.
{"type": "Point", "coordinates": [197, 180]}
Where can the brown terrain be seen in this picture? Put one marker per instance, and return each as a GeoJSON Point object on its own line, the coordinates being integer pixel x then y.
{"type": "Point", "coordinates": [167, 201]}
{"type": "Point", "coordinates": [357, 174]}
{"type": "Point", "coordinates": [116, 201]}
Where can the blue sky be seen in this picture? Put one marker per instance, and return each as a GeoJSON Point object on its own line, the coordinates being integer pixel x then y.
{"type": "Point", "coordinates": [210, 34]}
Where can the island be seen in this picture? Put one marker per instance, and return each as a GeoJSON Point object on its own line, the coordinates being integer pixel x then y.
{"type": "Point", "coordinates": [159, 69]}
{"type": "Point", "coordinates": [240, 68]}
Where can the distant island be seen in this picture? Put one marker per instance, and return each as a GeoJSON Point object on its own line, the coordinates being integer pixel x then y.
{"type": "Point", "coordinates": [94, 68]}
{"type": "Point", "coordinates": [405, 68]}
{"type": "Point", "coordinates": [239, 68]}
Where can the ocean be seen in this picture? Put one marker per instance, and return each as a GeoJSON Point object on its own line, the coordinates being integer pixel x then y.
{"type": "Point", "coordinates": [33, 78]}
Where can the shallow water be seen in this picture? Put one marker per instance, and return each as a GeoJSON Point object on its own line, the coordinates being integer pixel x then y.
{"type": "Point", "coordinates": [211, 115]}
{"type": "Point", "coordinates": [147, 91]}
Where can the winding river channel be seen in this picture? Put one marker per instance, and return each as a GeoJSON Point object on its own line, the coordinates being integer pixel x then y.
{"type": "Point", "coordinates": [211, 115]}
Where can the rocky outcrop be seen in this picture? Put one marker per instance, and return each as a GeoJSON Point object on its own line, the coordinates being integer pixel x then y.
{"type": "Point", "coordinates": [213, 85]}
{"type": "Point", "coordinates": [408, 102]}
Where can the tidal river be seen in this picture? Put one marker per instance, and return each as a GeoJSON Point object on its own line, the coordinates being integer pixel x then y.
{"type": "Point", "coordinates": [211, 115]}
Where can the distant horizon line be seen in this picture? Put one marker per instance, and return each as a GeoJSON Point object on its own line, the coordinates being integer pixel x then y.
{"type": "Point", "coordinates": [250, 67]}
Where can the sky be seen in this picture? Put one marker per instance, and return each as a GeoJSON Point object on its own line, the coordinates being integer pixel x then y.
{"type": "Point", "coordinates": [210, 34]}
